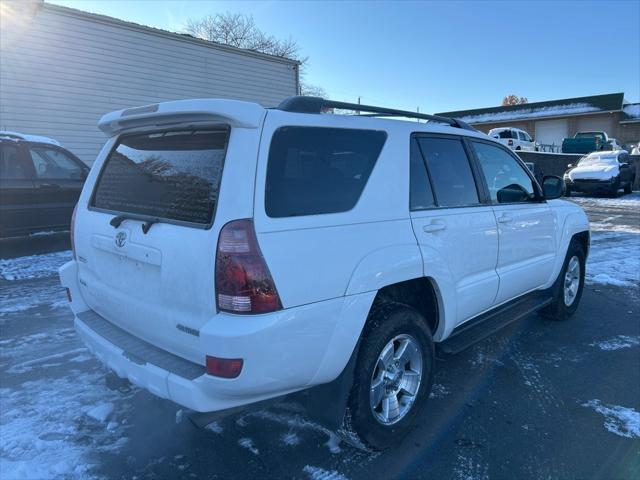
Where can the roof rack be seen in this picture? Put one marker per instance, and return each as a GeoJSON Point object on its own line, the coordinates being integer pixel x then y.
{"type": "Point", "coordinates": [304, 104]}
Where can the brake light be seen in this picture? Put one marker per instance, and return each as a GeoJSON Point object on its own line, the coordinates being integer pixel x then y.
{"type": "Point", "coordinates": [510, 142]}
{"type": "Point", "coordinates": [73, 226]}
{"type": "Point", "coordinates": [224, 367]}
{"type": "Point", "coordinates": [242, 279]}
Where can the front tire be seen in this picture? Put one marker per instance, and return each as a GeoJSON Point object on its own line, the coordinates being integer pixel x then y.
{"type": "Point", "coordinates": [393, 375]}
{"type": "Point", "coordinates": [568, 287]}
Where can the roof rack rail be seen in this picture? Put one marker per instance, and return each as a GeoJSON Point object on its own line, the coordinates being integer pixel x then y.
{"type": "Point", "coordinates": [304, 104]}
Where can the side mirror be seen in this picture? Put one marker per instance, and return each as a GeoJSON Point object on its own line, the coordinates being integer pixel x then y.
{"type": "Point", "coordinates": [553, 187]}
{"type": "Point", "coordinates": [513, 193]}
{"type": "Point", "coordinates": [570, 165]}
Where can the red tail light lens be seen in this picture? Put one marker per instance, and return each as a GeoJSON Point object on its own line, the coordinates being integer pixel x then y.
{"type": "Point", "coordinates": [224, 367]}
{"type": "Point", "coordinates": [510, 142]}
{"type": "Point", "coordinates": [73, 226]}
{"type": "Point", "coordinates": [243, 281]}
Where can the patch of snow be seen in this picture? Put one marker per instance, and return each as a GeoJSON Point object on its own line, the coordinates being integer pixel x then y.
{"type": "Point", "coordinates": [44, 435]}
{"type": "Point", "coordinates": [616, 343]}
{"type": "Point", "coordinates": [290, 439]}
{"type": "Point", "coordinates": [214, 427]}
{"type": "Point", "coordinates": [622, 421]}
{"type": "Point", "coordinates": [438, 391]}
{"type": "Point", "coordinates": [24, 367]}
{"type": "Point", "coordinates": [47, 233]}
{"type": "Point", "coordinates": [317, 473]}
{"type": "Point", "coordinates": [632, 109]}
{"type": "Point", "coordinates": [101, 412]}
{"type": "Point", "coordinates": [614, 259]}
{"type": "Point", "coordinates": [33, 266]}
{"type": "Point", "coordinates": [248, 444]}
{"type": "Point", "coordinates": [297, 421]}
{"type": "Point", "coordinates": [525, 112]}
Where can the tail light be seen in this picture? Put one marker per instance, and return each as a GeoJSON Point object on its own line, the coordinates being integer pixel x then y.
{"type": "Point", "coordinates": [73, 226]}
{"type": "Point", "coordinates": [243, 281]}
{"type": "Point", "coordinates": [224, 367]}
{"type": "Point", "coordinates": [510, 142]}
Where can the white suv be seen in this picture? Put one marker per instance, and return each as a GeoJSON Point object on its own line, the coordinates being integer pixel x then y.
{"type": "Point", "coordinates": [225, 254]}
{"type": "Point", "coordinates": [514, 138]}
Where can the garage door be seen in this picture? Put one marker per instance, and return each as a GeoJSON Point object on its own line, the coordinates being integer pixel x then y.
{"type": "Point", "coordinates": [551, 132]}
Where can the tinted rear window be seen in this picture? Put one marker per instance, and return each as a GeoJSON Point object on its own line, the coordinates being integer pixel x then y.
{"type": "Point", "coordinates": [313, 170]}
{"type": "Point", "coordinates": [169, 175]}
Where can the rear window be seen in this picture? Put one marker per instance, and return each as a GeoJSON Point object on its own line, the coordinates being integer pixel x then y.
{"type": "Point", "coordinates": [315, 170]}
{"type": "Point", "coordinates": [168, 175]}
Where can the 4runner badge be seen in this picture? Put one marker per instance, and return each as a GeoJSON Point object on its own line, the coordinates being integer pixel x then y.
{"type": "Point", "coordinates": [121, 239]}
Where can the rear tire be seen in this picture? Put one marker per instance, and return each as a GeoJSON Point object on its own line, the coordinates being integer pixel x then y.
{"type": "Point", "coordinates": [627, 188]}
{"type": "Point", "coordinates": [390, 382]}
{"type": "Point", "coordinates": [567, 192]}
{"type": "Point", "coordinates": [567, 289]}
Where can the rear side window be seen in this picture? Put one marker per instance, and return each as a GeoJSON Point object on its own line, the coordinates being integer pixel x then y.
{"type": "Point", "coordinates": [315, 170]}
{"type": "Point", "coordinates": [51, 163]}
{"type": "Point", "coordinates": [168, 175]}
{"type": "Point", "coordinates": [507, 134]}
{"type": "Point", "coordinates": [421, 196]}
{"type": "Point", "coordinates": [11, 167]}
{"type": "Point", "coordinates": [450, 172]}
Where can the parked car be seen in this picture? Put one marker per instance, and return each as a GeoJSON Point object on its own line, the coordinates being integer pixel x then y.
{"type": "Point", "coordinates": [586, 142]}
{"type": "Point", "coordinates": [40, 182]}
{"type": "Point", "coordinates": [514, 138]}
{"type": "Point", "coordinates": [225, 254]}
{"type": "Point", "coordinates": [601, 172]}
{"type": "Point", "coordinates": [632, 147]}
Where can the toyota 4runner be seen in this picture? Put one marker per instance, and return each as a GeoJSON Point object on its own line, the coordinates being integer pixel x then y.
{"type": "Point", "coordinates": [225, 254]}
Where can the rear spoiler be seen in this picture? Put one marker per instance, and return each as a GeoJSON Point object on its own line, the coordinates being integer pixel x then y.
{"type": "Point", "coordinates": [233, 112]}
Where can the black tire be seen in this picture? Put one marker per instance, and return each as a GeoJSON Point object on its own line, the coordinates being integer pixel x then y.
{"type": "Point", "coordinates": [567, 192]}
{"type": "Point", "coordinates": [385, 322]}
{"type": "Point", "coordinates": [613, 191]}
{"type": "Point", "coordinates": [559, 310]}
{"type": "Point", "coordinates": [627, 188]}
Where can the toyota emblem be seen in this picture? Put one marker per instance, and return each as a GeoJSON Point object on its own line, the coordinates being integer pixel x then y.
{"type": "Point", "coordinates": [121, 239]}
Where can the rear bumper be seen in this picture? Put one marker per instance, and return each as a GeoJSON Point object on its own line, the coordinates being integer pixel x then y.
{"type": "Point", "coordinates": [283, 352]}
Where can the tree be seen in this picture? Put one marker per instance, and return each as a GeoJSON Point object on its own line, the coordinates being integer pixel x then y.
{"type": "Point", "coordinates": [238, 30]}
{"type": "Point", "coordinates": [514, 100]}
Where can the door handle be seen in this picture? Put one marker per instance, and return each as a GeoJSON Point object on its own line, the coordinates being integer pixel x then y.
{"type": "Point", "coordinates": [49, 185]}
{"type": "Point", "coordinates": [505, 219]}
{"type": "Point", "coordinates": [433, 227]}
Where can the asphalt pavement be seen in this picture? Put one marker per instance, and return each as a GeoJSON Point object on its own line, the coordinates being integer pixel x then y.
{"type": "Point", "coordinates": [540, 399]}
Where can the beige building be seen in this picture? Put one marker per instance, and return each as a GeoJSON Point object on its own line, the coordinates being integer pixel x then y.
{"type": "Point", "coordinates": [549, 122]}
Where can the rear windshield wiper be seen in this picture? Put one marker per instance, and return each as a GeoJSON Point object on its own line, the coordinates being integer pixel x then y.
{"type": "Point", "coordinates": [146, 225]}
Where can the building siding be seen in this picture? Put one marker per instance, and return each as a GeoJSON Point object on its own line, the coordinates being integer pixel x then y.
{"type": "Point", "coordinates": [64, 69]}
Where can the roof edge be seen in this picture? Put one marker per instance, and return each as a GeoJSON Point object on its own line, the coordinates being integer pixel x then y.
{"type": "Point", "coordinates": [105, 19]}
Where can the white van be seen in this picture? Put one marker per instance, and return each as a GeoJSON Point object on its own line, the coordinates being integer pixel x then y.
{"type": "Point", "coordinates": [514, 138]}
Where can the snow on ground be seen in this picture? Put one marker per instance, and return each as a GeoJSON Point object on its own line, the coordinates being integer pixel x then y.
{"type": "Point", "coordinates": [614, 257]}
{"type": "Point", "coordinates": [317, 473]}
{"type": "Point", "coordinates": [617, 343]}
{"type": "Point", "coordinates": [33, 266]}
{"type": "Point", "coordinates": [622, 421]}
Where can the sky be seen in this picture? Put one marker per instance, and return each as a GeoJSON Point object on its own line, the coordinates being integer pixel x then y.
{"type": "Point", "coordinates": [432, 55]}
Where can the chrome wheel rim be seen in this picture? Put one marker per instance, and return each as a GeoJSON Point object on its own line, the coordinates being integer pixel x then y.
{"type": "Point", "coordinates": [396, 379]}
{"type": "Point", "coordinates": [571, 281]}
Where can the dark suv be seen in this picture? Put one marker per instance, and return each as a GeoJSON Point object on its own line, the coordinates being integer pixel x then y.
{"type": "Point", "coordinates": [40, 183]}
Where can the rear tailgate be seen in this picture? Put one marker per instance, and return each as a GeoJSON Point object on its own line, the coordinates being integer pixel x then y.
{"type": "Point", "coordinates": [170, 181]}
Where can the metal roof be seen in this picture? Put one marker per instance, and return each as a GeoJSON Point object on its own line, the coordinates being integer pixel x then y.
{"type": "Point", "coordinates": [611, 102]}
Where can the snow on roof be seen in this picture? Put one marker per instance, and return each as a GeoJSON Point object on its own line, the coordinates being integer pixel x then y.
{"type": "Point", "coordinates": [632, 109]}
{"type": "Point", "coordinates": [549, 111]}
{"type": "Point", "coordinates": [29, 138]}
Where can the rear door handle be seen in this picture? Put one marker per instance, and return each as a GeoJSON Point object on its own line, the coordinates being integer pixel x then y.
{"type": "Point", "coordinates": [435, 226]}
{"type": "Point", "coordinates": [505, 219]}
{"type": "Point", "coordinates": [49, 185]}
